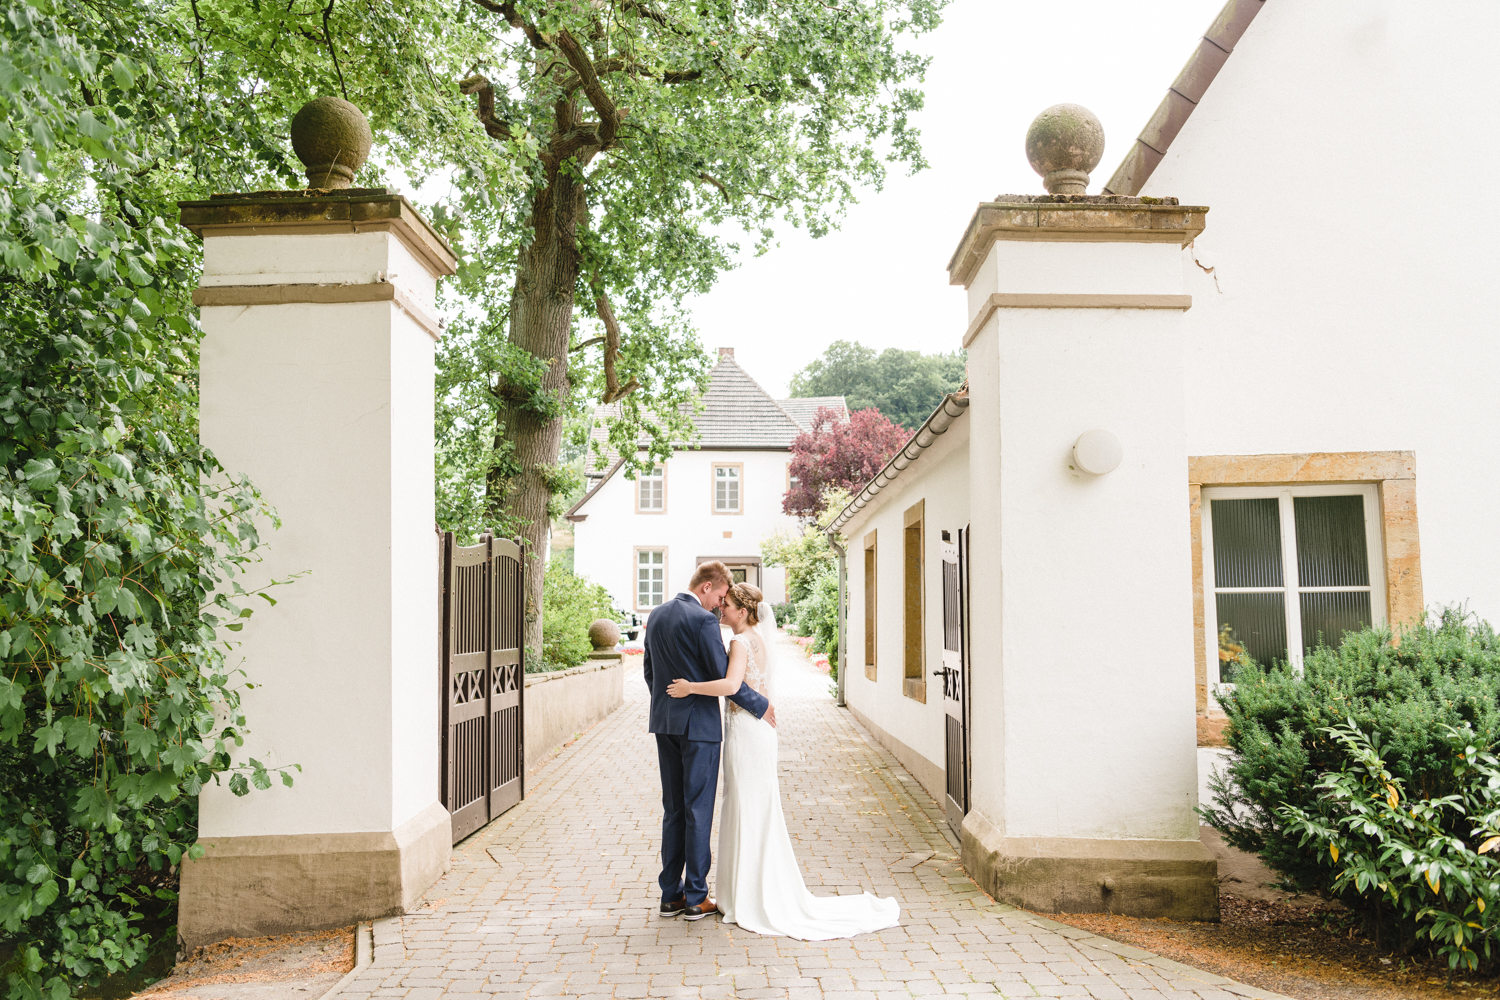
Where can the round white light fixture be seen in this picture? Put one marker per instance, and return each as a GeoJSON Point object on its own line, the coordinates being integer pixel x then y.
{"type": "Point", "coordinates": [1097, 452]}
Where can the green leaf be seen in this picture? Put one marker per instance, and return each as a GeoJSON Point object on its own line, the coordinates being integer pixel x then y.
{"type": "Point", "coordinates": [123, 73]}
{"type": "Point", "coordinates": [36, 873]}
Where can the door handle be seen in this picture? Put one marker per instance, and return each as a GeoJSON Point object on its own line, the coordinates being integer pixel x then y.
{"type": "Point", "coordinates": [939, 673]}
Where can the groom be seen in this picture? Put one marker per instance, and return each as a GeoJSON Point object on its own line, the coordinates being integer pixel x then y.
{"type": "Point", "coordinates": [682, 640]}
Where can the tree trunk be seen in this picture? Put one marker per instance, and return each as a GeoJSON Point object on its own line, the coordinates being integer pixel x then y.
{"type": "Point", "coordinates": [541, 318]}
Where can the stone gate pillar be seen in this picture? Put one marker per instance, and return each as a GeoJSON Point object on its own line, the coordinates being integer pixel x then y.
{"type": "Point", "coordinates": [1081, 691]}
{"type": "Point", "coordinates": [317, 376]}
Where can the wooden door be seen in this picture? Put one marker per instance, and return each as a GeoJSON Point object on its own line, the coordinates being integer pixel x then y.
{"type": "Point", "coordinates": [955, 679]}
{"type": "Point", "coordinates": [507, 677]}
{"type": "Point", "coordinates": [483, 681]}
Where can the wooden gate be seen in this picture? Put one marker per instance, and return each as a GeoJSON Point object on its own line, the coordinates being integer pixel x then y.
{"type": "Point", "coordinates": [956, 678]}
{"type": "Point", "coordinates": [483, 680]}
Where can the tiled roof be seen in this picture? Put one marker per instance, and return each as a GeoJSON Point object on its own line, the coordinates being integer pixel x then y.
{"type": "Point", "coordinates": [804, 408]}
{"type": "Point", "coordinates": [737, 413]}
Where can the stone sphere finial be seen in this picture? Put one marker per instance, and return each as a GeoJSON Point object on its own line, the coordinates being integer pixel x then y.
{"type": "Point", "coordinates": [332, 139]}
{"type": "Point", "coordinates": [604, 634]}
{"type": "Point", "coordinates": [1064, 143]}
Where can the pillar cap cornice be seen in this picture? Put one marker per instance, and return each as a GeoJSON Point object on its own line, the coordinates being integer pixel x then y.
{"type": "Point", "coordinates": [317, 211]}
{"type": "Point", "coordinates": [1072, 219]}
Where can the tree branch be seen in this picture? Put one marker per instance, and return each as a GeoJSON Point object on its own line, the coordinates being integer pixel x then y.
{"type": "Point", "coordinates": [587, 343]}
{"type": "Point", "coordinates": [718, 184]}
{"type": "Point", "coordinates": [613, 390]}
{"type": "Point", "coordinates": [328, 37]}
{"type": "Point", "coordinates": [513, 18]}
{"type": "Point", "coordinates": [479, 84]}
{"type": "Point", "coordinates": [604, 105]}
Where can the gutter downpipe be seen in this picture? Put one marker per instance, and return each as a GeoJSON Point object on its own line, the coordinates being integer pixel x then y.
{"type": "Point", "coordinates": [843, 614]}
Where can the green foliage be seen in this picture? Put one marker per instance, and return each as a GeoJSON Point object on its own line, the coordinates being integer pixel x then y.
{"type": "Point", "coordinates": [1421, 867]}
{"type": "Point", "coordinates": [906, 386]}
{"type": "Point", "coordinates": [818, 614]}
{"type": "Point", "coordinates": [570, 604]}
{"type": "Point", "coordinates": [122, 536]}
{"type": "Point", "coordinates": [812, 578]}
{"type": "Point", "coordinates": [710, 125]}
{"type": "Point", "coordinates": [805, 554]}
{"type": "Point", "coordinates": [1445, 673]}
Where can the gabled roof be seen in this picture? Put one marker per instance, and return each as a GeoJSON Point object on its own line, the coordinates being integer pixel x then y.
{"type": "Point", "coordinates": [1183, 96]}
{"type": "Point", "coordinates": [803, 408]}
{"type": "Point", "coordinates": [737, 414]}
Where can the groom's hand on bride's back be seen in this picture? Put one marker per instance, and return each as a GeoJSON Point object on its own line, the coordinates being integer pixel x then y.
{"type": "Point", "coordinates": [770, 715]}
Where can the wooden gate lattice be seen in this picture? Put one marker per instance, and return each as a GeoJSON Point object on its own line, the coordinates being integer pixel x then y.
{"type": "Point", "coordinates": [483, 680]}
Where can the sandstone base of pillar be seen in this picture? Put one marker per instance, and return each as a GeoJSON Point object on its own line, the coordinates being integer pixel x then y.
{"type": "Point", "coordinates": [253, 886]}
{"type": "Point", "coordinates": [1177, 879]}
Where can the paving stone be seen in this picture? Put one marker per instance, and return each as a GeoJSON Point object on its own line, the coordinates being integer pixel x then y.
{"type": "Point", "coordinates": [558, 897]}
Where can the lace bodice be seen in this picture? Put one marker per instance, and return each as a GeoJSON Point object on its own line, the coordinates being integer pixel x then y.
{"type": "Point", "coordinates": [755, 674]}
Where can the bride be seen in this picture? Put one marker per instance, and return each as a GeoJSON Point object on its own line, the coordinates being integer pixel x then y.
{"type": "Point", "coordinates": [760, 883]}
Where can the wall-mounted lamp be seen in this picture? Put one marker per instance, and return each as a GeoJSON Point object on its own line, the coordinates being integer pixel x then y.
{"type": "Point", "coordinates": [1097, 452]}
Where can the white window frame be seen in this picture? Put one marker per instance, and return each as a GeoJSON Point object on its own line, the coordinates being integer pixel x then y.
{"type": "Point", "coordinates": [1292, 605]}
{"type": "Point", "coordinates": [640, 485]}
{"type": "Point", "coordinates": [635, 575]}
{"type": "Point", "coordinates": [739, 482]}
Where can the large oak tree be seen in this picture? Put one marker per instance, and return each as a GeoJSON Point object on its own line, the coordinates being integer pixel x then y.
{"type": "Point", "coordinates": [653, 135]}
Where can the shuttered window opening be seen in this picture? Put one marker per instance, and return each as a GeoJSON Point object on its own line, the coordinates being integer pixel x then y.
{"type": "Point", "coordinates": [1289, 568]}
{"type": "Point", "coordinates": [914, 678]}
{"type": "Point", "coordinates": [872, 605]}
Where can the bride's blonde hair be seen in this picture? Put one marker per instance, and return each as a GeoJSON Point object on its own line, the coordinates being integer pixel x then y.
{"type": "Point", "coordinates": [748, 597]}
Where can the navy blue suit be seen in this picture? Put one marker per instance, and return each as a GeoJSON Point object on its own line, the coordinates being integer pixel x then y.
{"type": "Point", "coordinates": [683, 640]}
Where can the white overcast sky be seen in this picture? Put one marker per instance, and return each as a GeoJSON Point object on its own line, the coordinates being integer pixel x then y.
{"type": "Point", "coordinates": [882, 279]}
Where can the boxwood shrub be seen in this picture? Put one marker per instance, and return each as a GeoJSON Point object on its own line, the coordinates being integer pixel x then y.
{"type": "Point", "coordinates": [1407, 693]}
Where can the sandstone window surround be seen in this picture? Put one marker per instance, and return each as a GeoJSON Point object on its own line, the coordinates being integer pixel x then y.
{"type": "Point", "coordinates": [651, 492]}
{"type": "Point", "coordinates": [1395, 579]}
{"type": "Point", "coordinates": [728, 487]}
{"type": "Point", "coordinates": [650, 577]}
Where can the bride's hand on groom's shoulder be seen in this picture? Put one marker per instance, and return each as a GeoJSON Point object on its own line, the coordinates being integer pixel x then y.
{"type": "Point", "coordinates": [678, 688]}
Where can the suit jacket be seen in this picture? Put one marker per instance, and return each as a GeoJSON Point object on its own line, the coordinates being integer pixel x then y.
{"type": "Point", "coordinates": [682, 640]}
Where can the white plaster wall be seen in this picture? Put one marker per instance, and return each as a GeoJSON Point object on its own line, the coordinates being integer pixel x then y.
{"type": "Point", "coordinates": [940, 480]}
{"type": "Point", "coordinates": [328, 408]}
{"type": "Point", "coordinates": [1096, 649]}
{"type": "Point", "coordinates": [605, 543]}
{"type": "Point", "coordinates": [325, 258]}
{"type": "Point", "coordinates": [1345, 151]}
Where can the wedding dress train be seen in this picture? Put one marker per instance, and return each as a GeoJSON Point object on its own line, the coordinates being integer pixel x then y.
{"type": "Point", "coordinates": [760, 884]}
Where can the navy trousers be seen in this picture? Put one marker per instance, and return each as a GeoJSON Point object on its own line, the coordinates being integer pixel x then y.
{"type": "Point", "coordinates": [689, 782]}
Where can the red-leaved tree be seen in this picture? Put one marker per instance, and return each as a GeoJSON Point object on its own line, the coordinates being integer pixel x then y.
{"type": "Point", "coordinates": [838, 452]}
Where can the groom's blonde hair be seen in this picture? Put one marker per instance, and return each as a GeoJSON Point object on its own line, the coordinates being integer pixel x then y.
{"type": "Point", "coordinates": [715, 571]}
{"type": "Point", "coordinates": [748, 597]}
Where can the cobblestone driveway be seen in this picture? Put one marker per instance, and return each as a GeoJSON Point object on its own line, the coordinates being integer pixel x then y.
{"type": "Point", "coordinates": [558, 897]}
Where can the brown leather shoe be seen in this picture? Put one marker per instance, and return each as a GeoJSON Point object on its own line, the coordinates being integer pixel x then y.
{"type": "Point", "coordinates": [700, 910]}
{"type": "Point", "coordinates": [674, 907]}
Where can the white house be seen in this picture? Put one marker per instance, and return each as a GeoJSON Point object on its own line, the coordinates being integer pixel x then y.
{"type": "Point", "coordinates": [1216, 396]}
{"type": "Point", "coordinates": [716, 499]}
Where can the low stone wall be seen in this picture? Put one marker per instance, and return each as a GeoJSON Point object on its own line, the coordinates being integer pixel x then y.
{"type": "Point", "coordinates": [563, 702]}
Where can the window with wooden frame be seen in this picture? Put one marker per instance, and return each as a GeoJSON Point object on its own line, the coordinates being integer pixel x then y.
{"type": "Point", "coordinates": [1289, 568]}
{"type": "Point", "coordinates": [650, 578]}
{"type": "Point", "coordinates": [872, 606]}
{"type": "Point", "coordinates": [651, 492]}
{"type": "Point", "coordinates": [913, 610]}
{"type": "Point", "coordinates": [727, 489]}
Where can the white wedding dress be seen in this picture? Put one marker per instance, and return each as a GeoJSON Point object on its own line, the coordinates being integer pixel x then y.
{"type": "Point", "coordinates": [759, 884]}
